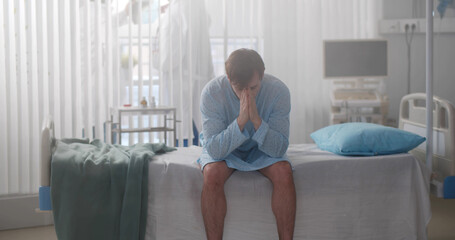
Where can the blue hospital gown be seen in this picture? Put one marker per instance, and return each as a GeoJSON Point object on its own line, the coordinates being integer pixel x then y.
{"type": "Point", "coordinates": [248, 150]}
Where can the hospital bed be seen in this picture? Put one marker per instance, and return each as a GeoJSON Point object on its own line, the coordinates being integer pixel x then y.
{"type": "Point", "coordinates": [338, 197]}
{"type": "Point", "coordinates": [412, 119]}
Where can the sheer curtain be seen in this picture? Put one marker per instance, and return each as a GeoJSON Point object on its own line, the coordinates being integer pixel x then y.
{"type": "Point", "coordinates": [293, 35]}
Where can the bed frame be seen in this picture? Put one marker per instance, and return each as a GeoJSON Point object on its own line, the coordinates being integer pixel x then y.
{"type": "Point", "coordinates": [412, 118]}
{"type": "Point", "coordinates": [47, 145]}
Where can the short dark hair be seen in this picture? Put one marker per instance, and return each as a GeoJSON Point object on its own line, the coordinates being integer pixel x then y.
{"type": "Point", "coordinates": [241, 65]}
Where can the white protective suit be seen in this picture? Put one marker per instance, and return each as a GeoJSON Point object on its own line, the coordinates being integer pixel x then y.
{"type": "Point", "coordinates": [185, 41]}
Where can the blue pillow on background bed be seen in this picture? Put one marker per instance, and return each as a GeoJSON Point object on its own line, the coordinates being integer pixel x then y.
{"type": "Point", "coordinates": [365, 139]}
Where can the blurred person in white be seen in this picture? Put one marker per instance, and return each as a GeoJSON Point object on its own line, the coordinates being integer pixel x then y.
{"type": "Point", "coordinates": [184, 40]}
{"type": "Point", "coordinates": [121, 18]}
{"type": "Point", "coordinates": [88, 47]}
{"type": "Point", "coordinates": [147, 17]}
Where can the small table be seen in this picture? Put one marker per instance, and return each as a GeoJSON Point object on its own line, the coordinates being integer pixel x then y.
{"type": "Point", "coordinates": [140, 111]}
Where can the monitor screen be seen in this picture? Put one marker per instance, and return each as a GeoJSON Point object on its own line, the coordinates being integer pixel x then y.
{"type": "Point", "coordinates": [355, 58]}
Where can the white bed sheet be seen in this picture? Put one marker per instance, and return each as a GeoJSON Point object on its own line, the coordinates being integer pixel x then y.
{"type": "Point", "coordinates": [380, 197]}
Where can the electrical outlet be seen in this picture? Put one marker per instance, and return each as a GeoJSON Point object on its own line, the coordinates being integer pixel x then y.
{"type": "Point", "coordinates": [409, 24]}
{"type": "Point", "coordinates": [397, 26]}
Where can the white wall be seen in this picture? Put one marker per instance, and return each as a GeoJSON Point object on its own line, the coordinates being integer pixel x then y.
{"type": "Point", "coordinates": [444, 58]}
{"type": "Point", "coordinates": [19, 212]}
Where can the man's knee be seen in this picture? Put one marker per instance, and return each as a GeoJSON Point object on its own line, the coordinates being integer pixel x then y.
{"type": "Point", "coordinates": [215, 175]}
{"type": "Point", "coordinates": [281, 173]}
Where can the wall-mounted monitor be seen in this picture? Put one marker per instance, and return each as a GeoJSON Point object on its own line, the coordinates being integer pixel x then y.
{"type": "Point", "coordinates": [366, 58]}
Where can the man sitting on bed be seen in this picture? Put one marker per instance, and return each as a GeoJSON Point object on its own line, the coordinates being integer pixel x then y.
{"type": "Point", "coordinates": [245, 126]}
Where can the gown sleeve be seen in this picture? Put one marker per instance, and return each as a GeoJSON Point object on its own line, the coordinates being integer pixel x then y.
{"type": "Point", "coordinates": [220, 137]}
{"type": "Point", "coordinates": [272, 137]}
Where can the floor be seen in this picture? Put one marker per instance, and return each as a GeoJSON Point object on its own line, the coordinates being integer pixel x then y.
{"type": "Point", "coordinates": [441, 227]}
{"type": "Point", "coordinates": [36, 233]}
{"type": "Point", "coordinates": [442, 224]}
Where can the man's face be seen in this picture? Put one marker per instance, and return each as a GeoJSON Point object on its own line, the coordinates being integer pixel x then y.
{"type": "Point", "coordinates": [254, 85]}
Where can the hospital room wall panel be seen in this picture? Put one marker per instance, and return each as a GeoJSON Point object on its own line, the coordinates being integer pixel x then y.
{"type": "Point", "coordinates": [444, 57]}
{"type": "Point", "coordinates": [444, 70]}
{"type": "Point", "coordinates": [404, 8]}
{"type": "Point", "coordinates": [19, 212]}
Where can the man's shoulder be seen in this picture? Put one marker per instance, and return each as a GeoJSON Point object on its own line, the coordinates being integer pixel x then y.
{"type": "Point", "coordinates": [216, 83]}
{"type": "Point", "coordinates": [274, 84]}
{"type": "Point", "coordinates": [215, 86]}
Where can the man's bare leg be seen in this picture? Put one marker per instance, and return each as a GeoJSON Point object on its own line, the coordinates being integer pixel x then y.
{"type": "Point", "coordinates": [213, 200]}
{"type": "Point", "coordinates": [283, 197]}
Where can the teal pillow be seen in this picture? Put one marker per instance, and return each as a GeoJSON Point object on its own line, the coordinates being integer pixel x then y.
{"type": "Point", "coordinates": [365, 139]}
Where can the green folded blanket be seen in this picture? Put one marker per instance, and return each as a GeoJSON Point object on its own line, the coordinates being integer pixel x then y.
{"type": "Point", "coordinates": [99, 191]}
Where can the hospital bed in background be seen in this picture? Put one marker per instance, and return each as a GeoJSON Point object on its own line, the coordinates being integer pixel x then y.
{"type": "Point", "coordinates": [338, 197]}
{"type": "Point", "coordinates": [412, 119]}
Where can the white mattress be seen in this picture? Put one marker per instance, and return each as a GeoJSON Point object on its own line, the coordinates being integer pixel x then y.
{"type": "Point", "coordinates": [381, 197]}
